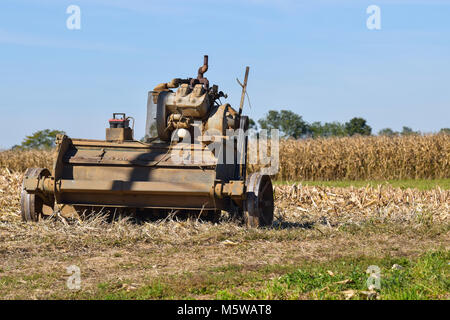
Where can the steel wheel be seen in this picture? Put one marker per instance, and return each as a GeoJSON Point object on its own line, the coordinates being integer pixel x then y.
{"type": "Point", "coordinates": [31, 205]}
{"type": "Point", "coordinates": [259, 203]}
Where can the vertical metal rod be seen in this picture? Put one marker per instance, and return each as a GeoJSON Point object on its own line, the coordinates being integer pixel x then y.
{"type": "Point", "coordinates": [203, 68]}
{"type": "Point", "coordinates": [244, 88]}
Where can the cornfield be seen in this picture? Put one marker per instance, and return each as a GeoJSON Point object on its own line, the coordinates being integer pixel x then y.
{"type": "Point", "coordinates": [364, 158]}
{"type": "Point", "coordinates": [20, 160]}
{"type": "Point", "coordinates": [348, 158]}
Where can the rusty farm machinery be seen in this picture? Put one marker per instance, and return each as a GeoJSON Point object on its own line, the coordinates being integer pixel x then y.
{"type": "Point", "coordinates": [194, 160]}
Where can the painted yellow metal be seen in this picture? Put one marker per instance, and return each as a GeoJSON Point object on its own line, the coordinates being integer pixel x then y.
{"type": "Point", "coordinates": [163, 174]}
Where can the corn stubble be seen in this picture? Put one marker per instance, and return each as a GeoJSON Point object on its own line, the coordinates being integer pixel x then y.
{"type": "Point", "coordinates": [296, 203]}
{"type": "Point", "coordinates": [384, 203]}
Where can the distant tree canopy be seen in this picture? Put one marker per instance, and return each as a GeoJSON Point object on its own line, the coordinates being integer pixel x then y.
{"type": "Point", "coordinates": [43, 139]}
{"type": "Point", "coordinates": [289, 123]}
{"type": "Point", "coordinates": [408, 131]}
{"type": "Point", "coordinates": [328, 129]}
{"type": "Point", "coordinates": [358, 126]}
{"type": "Point", "coordinates": [390, 133]}
{"type": "Point", "coordinates": [387, 132]}
{"type": "Point", "coordinates": [292, 125]}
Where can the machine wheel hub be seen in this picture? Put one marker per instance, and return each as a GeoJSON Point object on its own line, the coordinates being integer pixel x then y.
{"type": "Point", "coordinates": [259, 203]}
{"type": "Point", "coordinates": [32, 204]}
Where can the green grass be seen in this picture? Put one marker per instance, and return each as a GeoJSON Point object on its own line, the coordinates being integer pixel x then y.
{"type": "Point", "coordinates": [423, 277]}
{"type": "Point", "coordinates": [404, 184]}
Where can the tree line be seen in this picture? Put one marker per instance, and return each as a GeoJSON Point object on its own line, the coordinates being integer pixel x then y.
{"type": "Point", "coordinates": [292, 125]}
{"type": "Point", "coordinates": [42, 140]}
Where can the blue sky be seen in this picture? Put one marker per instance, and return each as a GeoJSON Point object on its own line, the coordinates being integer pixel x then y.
{"type": "Point", "coordinates": [316, 58]}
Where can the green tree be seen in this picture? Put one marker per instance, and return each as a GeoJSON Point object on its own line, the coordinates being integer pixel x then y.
{"type": "Point", "coordinates": [328, 129]}
{"type": "Point", "coordinates": [316, 129]}
{"type": "Point", "coordinates": [289, 123]}
{"type": "Point", "coordinates": [271, 121]}
{"type": "Point", "coordinates": [43, 139]}
{"type": "Point", "coordinates": [358, 126]}
{"type": "Point", "coordinates": [387, 132]}
{"type": "Point", "coordinates": [334, 129]}
{"type": "Point", "coordinates": [406, 131]}
{"type": "Point", "coordinates": [445, 130]}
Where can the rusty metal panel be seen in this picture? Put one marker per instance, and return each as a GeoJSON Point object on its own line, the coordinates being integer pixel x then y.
{"type": "Point", "coordinates": [131, 174]}
{"type": "Point", "coordinates": [118, 187]}
{"type": "Point", "coordinates": [167, 201]}
{"type": "Point", "coordinates": [119, 134]}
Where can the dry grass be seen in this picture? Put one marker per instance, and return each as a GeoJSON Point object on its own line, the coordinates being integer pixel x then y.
{"type": "Point", "coordinates": [294, 201]}
{"type": "Point", "coordinates": [346, 205]}
{"type": "Point", "coordinates": [316, 225]}
{"type": "Point", "coordinates": [10, 187]}
{"type": "Point", "coordinates": [365, 158]}
{"type": "Point", "coordinates": [34, 257]}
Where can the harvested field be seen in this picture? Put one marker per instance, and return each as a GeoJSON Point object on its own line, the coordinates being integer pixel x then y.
{"type": "Point", "coordinates": [292, 202]}
{"type": "Point", "coordinates": [322, 240]}
{"type": "Point", "coordinates": [338, 232]}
